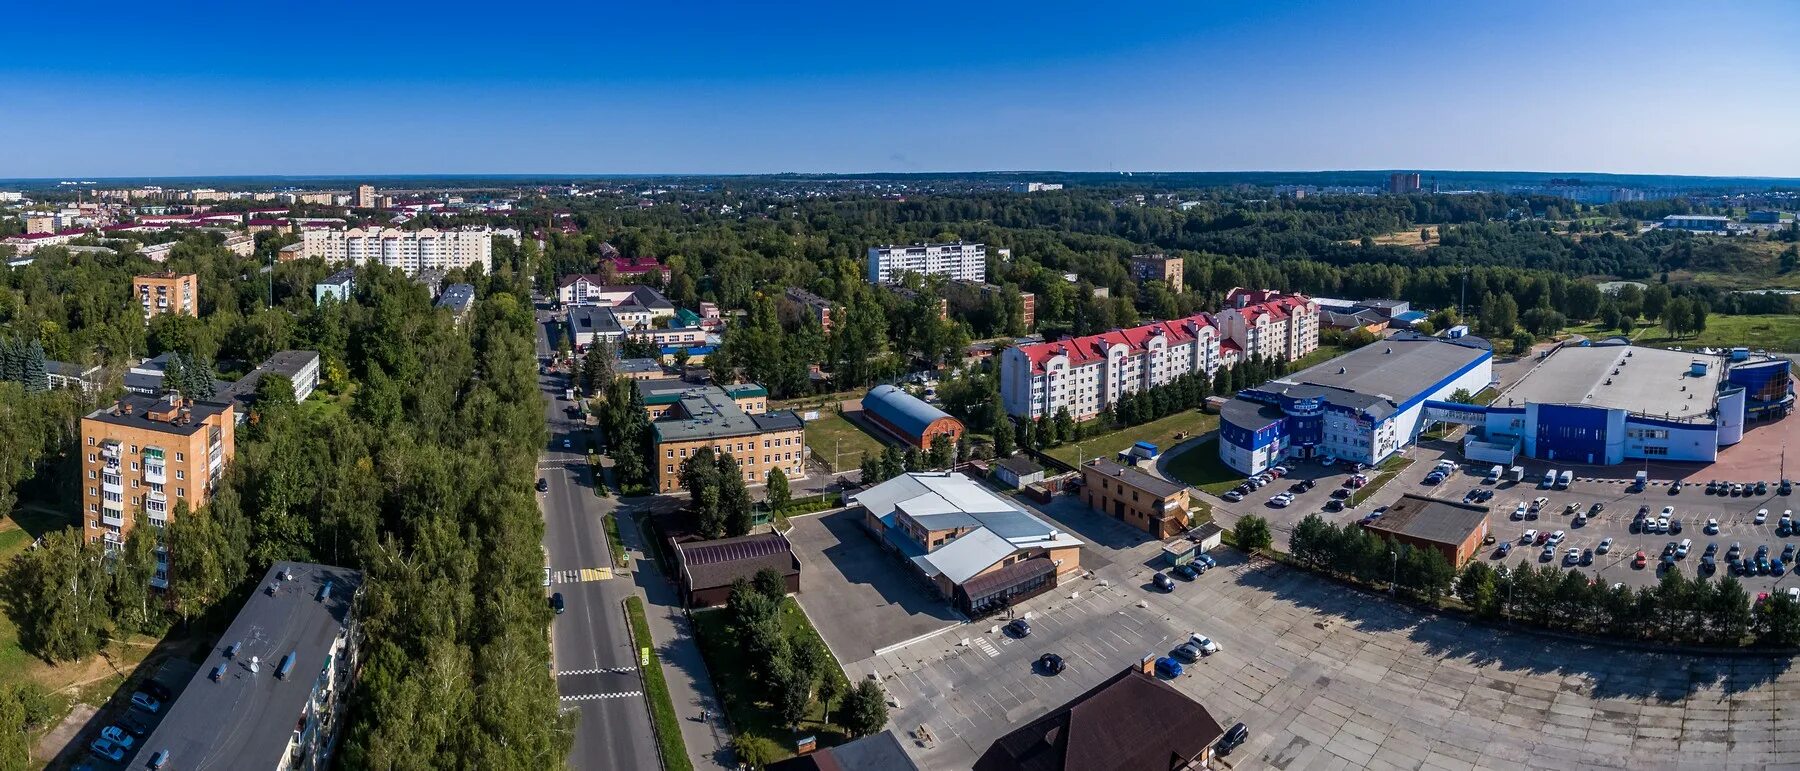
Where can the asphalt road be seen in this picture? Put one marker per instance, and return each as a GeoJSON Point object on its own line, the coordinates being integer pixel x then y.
{"type": "Point", "coordinates": [595, 663]}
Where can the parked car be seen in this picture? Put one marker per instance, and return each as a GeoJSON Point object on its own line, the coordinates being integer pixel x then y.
{"type": "Point", "coordinates": [134, 726]}
{"type": "Point", "coordinates": [1186, 652]}
{"type": "Point", "coordinates": [1604, 547]}
{"type": "Point", "coordinates": [1206, 558]}
{"type": "Point", "coordinates": [106, 750]}
{"type": "Point", "coordinates": [1233, 496]}
{"type": "Point", "coordinates": [1204, 643]}
{"type": "Point", "coordinates": [1163, 582]}
{"type": "Point", "coordinates": [1505, 549]}
{"type": "Point", "coordinates": [556, 603]}
{"type": "Point", "coordinates": [1762, 488]}
{"type": "Point", "coordinates": [1572, 556]}
{"type": "Point", "coordinates": [1762, 515]}
{"type": "Point", "coordinates": [543, 485]}
{"type": "Point", "coordinates": [1519, 511]}
{"type": "Point", "coordinates": [1786, 488]}
{"type": "Point", "coordinates": [1168, 668]}
{"type": "Point", "coordinates": [1340, 493]}
{"type": "Point", "coordinates": [1587, 557]}
{"type": "Point", "coordinates": [1281, 501]}
{"type": "Point", "coordinates": [1712, 487]}
{"type": "Point", "coordinates": [1233, 738]}
{"type": "Point", "coordinates": [1712, 526]}
{"type": "Point", "coordinates": [1640, 560]}
{"type": "Point", "coordinates": [146, 702]}
{"type": "Point", "coordinates": [1051, 664]}
{"type": "Point", "coordinates": [1674, 527]}
{"type": "Point", "coordinates": [118, 736]}
{"type": "Point", "coordinates": [1186, 571]}
{"type": "Point", "coordinates": [1334, 504]}
{"type": "Point", "coordinates": [1530, 536]}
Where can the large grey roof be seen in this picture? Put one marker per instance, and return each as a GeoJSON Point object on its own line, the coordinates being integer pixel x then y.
{"type": "Point", "coordinates": [1430, 519]}
{"type": "Point", "coordinates": [593, 319]}
{"type": "Point", "coordinates": [1393, 368]}
{"type": "Point", "coordinates": [708, 412]}
{"type": "Point", "coordinates": [245, 719]}
{"type": "Point", "coordinates": [948, 500]}
{"type": "Point", "coordinates": [902, 410]}
{"type": "Point", "coordinates": [1650, 381]}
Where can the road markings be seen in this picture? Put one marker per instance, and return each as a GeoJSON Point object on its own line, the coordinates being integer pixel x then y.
{"type": "Point", "coordinates": [986, 647]}
{"type": "Point", "coordinates": [599, 671]}
{"type": "Point", "coordinates": [581, 575]}
{"type": "Point", "coordinates": [595, 696]}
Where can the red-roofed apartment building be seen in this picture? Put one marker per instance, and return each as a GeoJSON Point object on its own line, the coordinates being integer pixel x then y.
{"type": "Point", "coordinates": [1088, 374]}
{"type": "Point", "coordinates": [1269, 324]}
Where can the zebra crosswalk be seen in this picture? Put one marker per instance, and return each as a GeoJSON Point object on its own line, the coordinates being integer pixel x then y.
{"type": "Point", "coordinates": [580, 575]}
{"type": "Point", "coordinates": [595, 696]}
{"type": "Point", "coordinates": [598, 671]}
{"type": "Point", "coordinates": [986, 647]}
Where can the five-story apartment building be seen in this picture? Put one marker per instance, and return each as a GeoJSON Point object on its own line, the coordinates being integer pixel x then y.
{"type": "Point", "coordinates": [146, 454]}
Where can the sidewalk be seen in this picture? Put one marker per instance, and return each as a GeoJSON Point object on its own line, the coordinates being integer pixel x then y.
{"type": "Point", "coordinates": [690, 685]}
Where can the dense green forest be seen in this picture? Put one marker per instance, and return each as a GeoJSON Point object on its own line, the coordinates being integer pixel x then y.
{"type": "Point", "coordinates": [413, 463]}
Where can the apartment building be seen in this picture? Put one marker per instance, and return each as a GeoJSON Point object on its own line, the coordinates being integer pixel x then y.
{"type": "Point", "coordinates": [1149, 503]}
{"type": "Point", "coordinates": [1088, 374]}
{"type": "Point", "coordinates": [1027, 301]}
{"type": "Point", "coordinates": [410, 251]}
{"type": "Point", "coordinates": [145, 453]}
{"type": "Point", "coordinates": [1157, 267]}
{"type": "Point", "coordinates": [272, 691]}
{"type": "Point", "coordinates": [1402, 183]}
{"type": "Point", "coordinates": [336, 286]}
{"type": "Point", "coordinates": [242, 244]}
{"type": "Point", "coordinates": [960, 261]}
{"type": "Point", "coordinates": [160, 293]}
{"type": "Point", "coordinates": [1266, 323]}
{"type": "Point", "coordinates": [40, 223]}
{"type": "Point", "coordinates": [365, 196]}
{"type": "Point", "coordinates": [817, 307]}
{"type": "Point", "coordinates": [710, 416]}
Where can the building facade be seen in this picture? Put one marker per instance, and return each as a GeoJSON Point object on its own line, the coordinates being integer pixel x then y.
{"type": "Point", "coordinates": [1157, 267]}
{"type": "Point", "coordinates": [819, 308]}
{"type": "Point", "coordinates": [1088, 374]}
{"type": "Point", "coordinates": [1268, 324]}
{"type": "Point", "coordinates": [1402, 183]}
{"type": "Point", "coordinates": [1362, 406]}
{"type": "Point", "coordinates": [1455, 530]}
{"type": "Point", "coordinates": [1149, 503]}
{"type": "Point", "coordinates": [365, 196]}
{"type": "Point", "coordinates": [959, 261]}
{"type": "Point", "coordinates": [409, 251]}
{"type": "Point", "coordinates": [160, 293]}
{"type": "Point", "coordinates": [336, 286]}
{"type": "Point", "coordinates": [145, 454]}
{"type": "Point", "coordinates": [711, 417]}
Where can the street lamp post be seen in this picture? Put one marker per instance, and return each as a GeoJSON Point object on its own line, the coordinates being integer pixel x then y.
{"type": "Point", "coordinates": [1394, 576]}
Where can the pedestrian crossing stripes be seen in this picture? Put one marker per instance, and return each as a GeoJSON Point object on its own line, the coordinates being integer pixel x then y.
{"type": "Point", "coordinates": [581, 575]}
{"type": "Point", "coordinates": [595, 696]}
{"type": "Point", "coordinates": [986, 647]}
{"type": "Point", "coordinates": [599, 671]}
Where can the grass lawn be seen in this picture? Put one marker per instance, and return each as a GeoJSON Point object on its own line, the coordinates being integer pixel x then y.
{"type": "Point", "coordinates": [1158, 432]}
{"type": "Point", "coordinates": [1388, 469]}
{"type": "Point", "coordinates": [1775, 332]}
{"type": "Point", "coordinates": [17, 531]}
{"type": "Point", "coordinates": [751, 713]}
{"type": "Point", "coordinates": [833, 433]}
{"type": "Point", "coordinates": [1200, 467]}
{"type": "Point", "coordinates": [662, 707]}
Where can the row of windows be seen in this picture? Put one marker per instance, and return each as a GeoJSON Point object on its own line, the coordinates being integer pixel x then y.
{"type": "Point", "coordinates": [1647, 433]}
{"type": "Point", "coordinates": [179, 457]}
{"type": "Point", "coordinates": [766, 443]}
{"type": "Point", "coordinates": [180, 492]}
{"type": "Point", "coordinates": [112, 479]}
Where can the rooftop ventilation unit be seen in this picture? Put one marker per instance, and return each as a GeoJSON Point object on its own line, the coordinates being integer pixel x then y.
{"type": "Point", "coordinates": [287, 665]}
{"type": "Point", "coordinates": [218, 673]}
{"type": "Point", "coordinates": [232, 651]}
{"type": "Point", "coordinates": [325, 592]}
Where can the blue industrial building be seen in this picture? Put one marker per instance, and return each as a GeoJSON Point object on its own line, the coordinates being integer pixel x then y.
{"type": "Point", "coordinates": [1613, 402]}
{"type": "Point", "coordinates": [1364, 405]}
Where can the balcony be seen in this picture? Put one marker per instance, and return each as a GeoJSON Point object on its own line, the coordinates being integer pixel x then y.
{"type": "Point", "coordinates": [112, 518]}
{"type": "Point", "coordinates": [111, 452]}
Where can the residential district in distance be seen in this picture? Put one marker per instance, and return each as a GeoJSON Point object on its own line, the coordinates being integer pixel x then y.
{"type": "Point", "coordinates": [962, 495]}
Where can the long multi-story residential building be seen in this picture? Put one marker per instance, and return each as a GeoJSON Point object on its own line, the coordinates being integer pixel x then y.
{"type": "Point", "coordinates": [710, 416]}
{"type": "Point", "coordinates": [146, 453]}
{"type": "Point", "coordinates": [410, 251]}
{"type": "Point", "coordinates": [960, 261]}
{"type": "Point", "coordinates": [817, 307]}
{"type": "Point", "coordinates": [272, 692]}
{"type": "Point", "coordinates": [1088, 374]}
{"type": "Point", "coordinates": [1268, 324]}
{"type": "Point", "coordinates": [160, 293]}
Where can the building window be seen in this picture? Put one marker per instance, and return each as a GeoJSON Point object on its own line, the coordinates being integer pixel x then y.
{"type": "Point", "coordinates": [180, 474]}
{"type": "Point", "coordinates": [180, 457]}
{"type": "Point", "coordinates": [134, 465]}
{"type": "Point", "coordinates": [181, 492]}
{"type": "Point", "coordinates": [134, 449]}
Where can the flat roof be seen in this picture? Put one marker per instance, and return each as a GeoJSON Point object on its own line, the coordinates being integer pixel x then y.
{"type": "Point", "coordinates": [1393, 369]}
{"type": "Point", "coordinates": [1431, 519]}
{"type": "Point", "coordinates": [133, 411]}
{"type": "Point", "coordinates": [708, 412]}
{"type": "Point", "coordinates": [244, 719]}
{"type": "Point", "coordinates": [1650, 381]}
{"type": "Point", "coordinates": [638, 365]}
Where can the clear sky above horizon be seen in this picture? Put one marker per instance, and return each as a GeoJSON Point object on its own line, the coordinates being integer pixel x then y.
{"type": "Point", "coordinates": [211, 88]}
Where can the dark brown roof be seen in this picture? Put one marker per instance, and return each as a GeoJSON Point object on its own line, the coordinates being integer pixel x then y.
{"type": "Point", "coordinates": [1131, 722]}
{"type": "Point", "coordinates": [710, 564]}
{"type": "Point", "coordinates": [1430, 519]}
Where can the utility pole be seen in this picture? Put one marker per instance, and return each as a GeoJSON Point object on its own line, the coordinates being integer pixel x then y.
{"type": "Point", "coordinates": [1394, 576]}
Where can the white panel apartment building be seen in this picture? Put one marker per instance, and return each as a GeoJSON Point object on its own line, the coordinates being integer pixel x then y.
{"type": "Point", "coordinates": [1269, 324]}
{"type": "Point", "coordinates": [411, 251]}
{"type": "Point", "coordinates": [958, 262]}
{"type": "Point", "coordinates": [1088, 374]}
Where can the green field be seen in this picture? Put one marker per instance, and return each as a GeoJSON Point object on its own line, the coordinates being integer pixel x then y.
{"type": "Point", "coordinates": [1772, 332]}
{"type": "Point", "coordinates": [1200, 467]}
{"type": "Point", "coordinates": [1161, 433]}
{"type": "Point", "coordinates": [745, 701]}
{"type": "Point", "coordinates": [833, 433]}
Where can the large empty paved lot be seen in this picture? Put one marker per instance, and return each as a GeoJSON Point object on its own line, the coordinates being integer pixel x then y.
{"type": "Point", "coordinates": [1329, 678]}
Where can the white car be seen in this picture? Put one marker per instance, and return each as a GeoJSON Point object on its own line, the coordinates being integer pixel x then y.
{"type": "Point", "coordinates": [1204, 643]}
{"type": "Point", "coordinates": [1528, 537]}
{"type": "Point", "coordinates": [1572, 556]}
{"type": "Point", "coordinates": [1538, 503]}
{"type": "Point", "coordinates": [1555, 538]}
{"type": "Point", "coordinates": [1519, 512]}
{"type": "Point", "coordinates": [1793, 593]}
{"type": "Point", "coordinates": [1762, 515]}
{"type": "Point", "coordinates": [1604, 547]}
{"type": "Point", "coordinates": [1281, 501]}
{"type": "Point", "coordinates": [1662, 524]}
{"type": "Point", "coordinates": [1712, 526]}
{"type": "Point", "coordinates": [1668, 511]}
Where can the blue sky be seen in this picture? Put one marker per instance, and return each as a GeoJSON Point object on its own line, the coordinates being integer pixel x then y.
{"type": "Point", "coordinates": [203, 88]}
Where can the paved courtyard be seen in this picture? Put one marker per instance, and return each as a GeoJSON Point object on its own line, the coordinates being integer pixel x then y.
{"type": "Point", "coordinates": [860, 597]}
{"type": "Point", "coordinates": [1330, 678]}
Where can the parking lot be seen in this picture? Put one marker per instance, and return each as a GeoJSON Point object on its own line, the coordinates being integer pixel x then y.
{"type": "Point", "coordinates": [1326, 677]}
{"type": "Point", "coordinates": [860, 597]}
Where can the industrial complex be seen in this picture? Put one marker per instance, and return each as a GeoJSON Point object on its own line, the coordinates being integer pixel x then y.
{"type": "Point", "coordinates": [1364, 405]}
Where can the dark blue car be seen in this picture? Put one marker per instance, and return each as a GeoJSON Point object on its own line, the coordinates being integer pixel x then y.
{"type": "Point", "coordinates": [1168, 667]}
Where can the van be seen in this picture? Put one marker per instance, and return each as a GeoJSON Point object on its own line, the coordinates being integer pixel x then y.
{"type": "Point", "coordinates": [1641, 480]}
{"type": "Point", "coordinates": [1518, 473]}
{"type": "Point", "coordinates": [1682, 550]}
{"type": "Point", "coordinates": [1549, 480]}
{"type": "Point", "coordinates": [1563, 479]}
{"type": "Point", "coordinates": [1493, 476]}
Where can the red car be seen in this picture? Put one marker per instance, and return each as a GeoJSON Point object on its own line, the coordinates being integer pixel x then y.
{"type": "Point", "coordinates": [1640, 561]}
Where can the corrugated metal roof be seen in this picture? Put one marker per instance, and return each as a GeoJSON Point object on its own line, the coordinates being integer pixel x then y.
{"type": "Point", "coordinates": [901, 409]}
